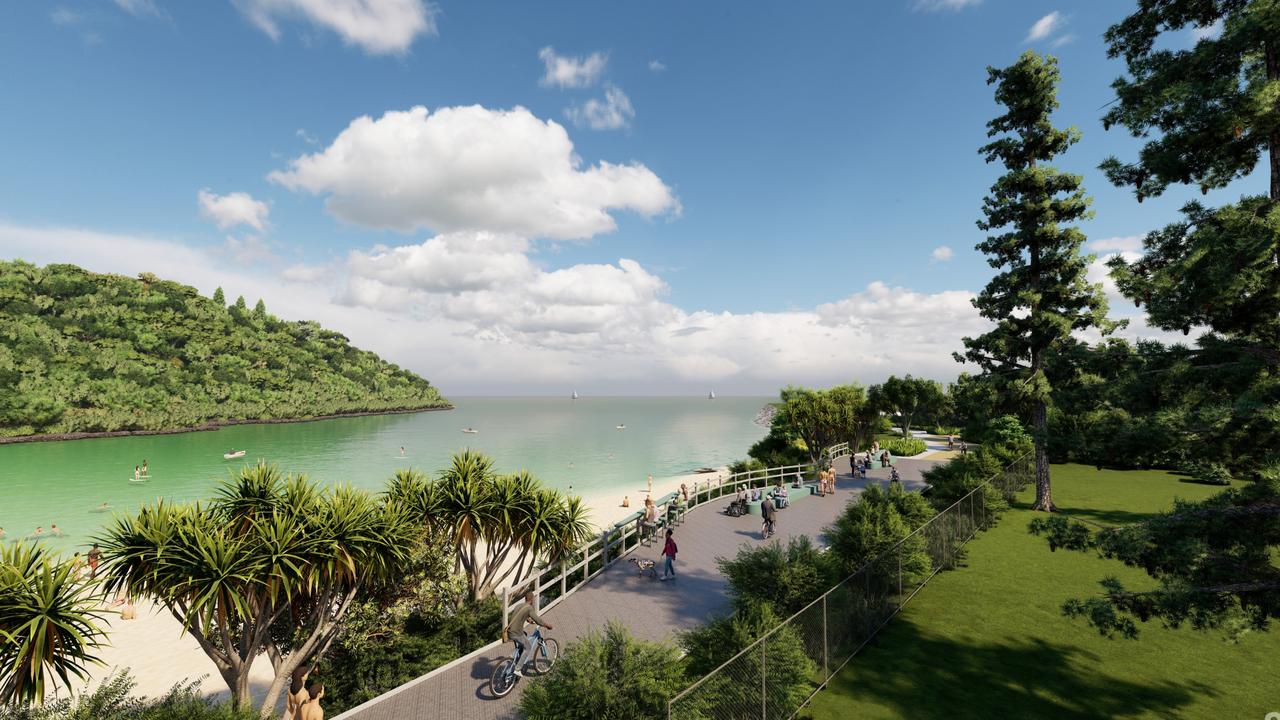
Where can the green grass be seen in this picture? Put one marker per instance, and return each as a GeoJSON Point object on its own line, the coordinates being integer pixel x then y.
{"type": "Point", "coordinates": [989, 639]}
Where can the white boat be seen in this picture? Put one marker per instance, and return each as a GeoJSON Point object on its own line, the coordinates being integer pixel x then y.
{"type": "Point", "coordinates": [622, 427]}
{"type": "Point", "coordinates": [711, 395]}
{"type": "Point", "coordinates": [575, 395]}
{"type": "Point", "coordinates": [233, 455]}
{"type": "Point", "coordinates": [470, 431]}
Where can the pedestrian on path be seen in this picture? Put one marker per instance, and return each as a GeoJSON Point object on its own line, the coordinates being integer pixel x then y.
{"type": "Point", "coordinates": [669, 553]}
{"type": "Point", "coordinates": [769, 514]}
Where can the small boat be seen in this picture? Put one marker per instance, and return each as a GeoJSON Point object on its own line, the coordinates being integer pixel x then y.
{"type": "Point", "coordinates": [470, 431]}
{"type": "Point", "coordinates": [233, 455]}
{"type": "Point", "coordinates": [711, 395]}
{"type": "Point", "coordinates": [705, 470]}
{"type": "Point", "coordinates": [575, 395]}
{"type": "Point", "coordinates": [622, 427]}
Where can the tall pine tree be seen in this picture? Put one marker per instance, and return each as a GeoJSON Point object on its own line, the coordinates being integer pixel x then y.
{"type": "Point", "coordinates": [1041, 293]}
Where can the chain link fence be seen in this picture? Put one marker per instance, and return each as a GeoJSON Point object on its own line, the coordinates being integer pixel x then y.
{"type": "Point", "coordinates": [778, 674]}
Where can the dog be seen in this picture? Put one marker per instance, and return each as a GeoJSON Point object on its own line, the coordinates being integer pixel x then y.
{"type": "Point", "coordinates": [645, 567]}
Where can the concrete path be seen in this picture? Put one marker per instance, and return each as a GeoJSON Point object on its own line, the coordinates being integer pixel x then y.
{"type": "Point", "coordinates": [651, 610]}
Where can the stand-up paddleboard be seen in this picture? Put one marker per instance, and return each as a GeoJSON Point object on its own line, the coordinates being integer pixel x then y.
{"type": "Point", "coordinates": [233, 455]}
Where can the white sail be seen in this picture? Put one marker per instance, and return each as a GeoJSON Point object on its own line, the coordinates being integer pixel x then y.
{"type": "Point", "coordinates": [711, 395]}
{"type": "Point", "coordinates": [575, 394]}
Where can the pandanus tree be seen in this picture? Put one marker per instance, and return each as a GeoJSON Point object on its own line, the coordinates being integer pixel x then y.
{"type": "Point", "coordinates": [269, 566]}
{"type": "Point", "coordinates": [501, 527]}
{"type": "Point", "coordinates": [49, 623]}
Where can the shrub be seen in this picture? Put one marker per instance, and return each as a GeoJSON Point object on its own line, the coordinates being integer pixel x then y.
{"type": "Point", "coordinates": [944, 430]}
{"type": "Point", "coordinates": [112, 700]}
{"type": "Point", "coordinates": [905, 447]}
{"type": "Point", "coordinates": [788, 578]}
{"type": "Point", "coordinates": [875, 522]}
{"type": "Point", "coordinates": [1210, 473]}
{"type": "Point", "coordinates": [609, 676]}
{"type": "Point", "coordinates": [709, 646]}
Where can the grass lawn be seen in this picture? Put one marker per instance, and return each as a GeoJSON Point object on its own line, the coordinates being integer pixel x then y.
{"type": "Point", "coordinates": [989, 639]}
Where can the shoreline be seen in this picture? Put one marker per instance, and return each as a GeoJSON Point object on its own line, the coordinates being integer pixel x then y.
{"type": "Point", "coordinates": [208, 426]}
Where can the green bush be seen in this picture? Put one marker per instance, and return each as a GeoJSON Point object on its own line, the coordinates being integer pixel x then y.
{"type": "Point", "coordinates": [953, 480]}
{"type": "Point", "coordinates": [944, 430]}
{"type": "Point", "coordinates": [875, 522]}
{"type": "Point", "coordinates": [113, 700]}
{"type": "Point", "coordinates": [905, 447]}
{"type": "Point", "coordinates": [710, 645]}
{"type": "Point", "coordinates": [609, 676]}
{"type": "Point", "coordinates": [1210, 473]}
{"type": "Point", "coordinates": [787, 578]}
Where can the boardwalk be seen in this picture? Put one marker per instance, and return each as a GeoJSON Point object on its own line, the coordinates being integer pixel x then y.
{"type": "Point", "coordinates": [651, 610]}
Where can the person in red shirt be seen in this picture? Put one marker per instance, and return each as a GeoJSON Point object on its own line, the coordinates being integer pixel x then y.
{"type": "Point", "coordinates": [669, 553]}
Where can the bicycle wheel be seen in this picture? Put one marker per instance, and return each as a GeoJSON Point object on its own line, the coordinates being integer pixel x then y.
{"type": "Point", "coordinates": [503, 678]}
{"type": "Point", "coordinates": [546, 655]}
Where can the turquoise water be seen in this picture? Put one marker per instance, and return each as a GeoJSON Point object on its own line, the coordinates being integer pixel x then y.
{"type": "Point", "coordinates": [570, 444]}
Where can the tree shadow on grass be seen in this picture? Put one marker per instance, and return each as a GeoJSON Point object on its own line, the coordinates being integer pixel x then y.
{"type": "Point", "coordinates": [1106, 517]}
{"type": "Point", "coordinates": [919, 675]}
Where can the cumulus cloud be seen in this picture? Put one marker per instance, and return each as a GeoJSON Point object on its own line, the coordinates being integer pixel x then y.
{"type": "Point", "coordinates": [237, 208]}
{"type": "Point", "coordinates": [448, 263]}
{"type": "Point", "coordinates": [139, 7]}
{"type": "Point", "coordinates": [306, 273]}
{"type": "Point", "coordinates": [233, 209]}
{"type": "Point", "coordinates": [1046, 26]}
{"type": "Point", "coordinates": [248, 250]}
{"type": "Point", "coordinates": [472, 168]}
{"type": "Point", "coordinates": [942, 253]}
{"type": "Point", "coordinates": [657, 66]}
{"type": "Point", "coordinates": [1127, 243]}
{"type": "Point", "coordinates": [377, 26]}
{"type": "Point", "coordinates": [563, 71]}
{"type": "Point", "coordinates": [931, 5]}
{"type": "Point", "coordinates": [611, 113]}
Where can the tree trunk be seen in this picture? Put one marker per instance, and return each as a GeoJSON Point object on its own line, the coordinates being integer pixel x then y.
{"type": "Point", "coordinates": [1040, 429]}
{"type": "Point", "coordinates": [1273, 74]}
{"type": "Point", "coordinates": [240, 696]}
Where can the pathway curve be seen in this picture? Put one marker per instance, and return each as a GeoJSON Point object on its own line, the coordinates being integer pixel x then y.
{"type": "Point", "coordinates": [651, 610]}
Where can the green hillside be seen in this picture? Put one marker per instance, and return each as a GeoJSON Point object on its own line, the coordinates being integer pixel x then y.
{"type": "Point", "coordinates": [84, 352]}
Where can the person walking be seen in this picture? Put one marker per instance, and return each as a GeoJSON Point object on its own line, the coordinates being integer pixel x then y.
{"type": "Point", "coordinates": [669, 554]}
{"type": "Point", "coordinates": [310, 709]}
{"type": "Point", "coordinates": [768, 513]}
{"type": "Point", "coordinates": [95, 557]}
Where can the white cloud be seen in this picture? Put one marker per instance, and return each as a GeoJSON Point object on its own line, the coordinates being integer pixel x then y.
{"type": "Point", "coordinates": [571, 72]}
{"type": "Point", "coordinates": [65, 16]}
{"type": "Point", "coordinates": [931, 5]}
{"type": "Point", "coordinates": [139, 7]}
{"type": "Point", "coordinates": [471, 168]}
{"type": "Point", "coordinates": [1201, 33]}
{"type": "Point", "coordinates": [379, 27]}
{"type": "Point", "coordinates": [1062, 40]}
{"type": "Point", "coordinates": [1046, 26]}
{"type": "Point", "coordinates": [942, 253]}
{"type": "Point", "coordinates": [248, 250]}
{"type": "Point", "coordinates": [1127, 243]}
{"type": "Point", "coordinates": [611, 113]}
{"type": "Point", "coordinates": [657, 66]}
{"type": "Point", "coordinates": [233, 209]}
{"type": "Point", "coordinates": [306, 137]}
{"type": "Point", "coordinates": [306, 273]}
{"type": "Point", "coordinates": [447, 263]}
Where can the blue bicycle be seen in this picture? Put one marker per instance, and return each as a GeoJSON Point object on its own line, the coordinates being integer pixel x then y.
{"type": "Point", "coordinates": [545, 653]}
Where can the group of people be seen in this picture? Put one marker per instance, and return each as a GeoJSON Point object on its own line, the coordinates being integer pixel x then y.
{"type": "Point", "coordinates": [140, 471]}
{"type": "Point", "coordinates": [303, 701]}
{"type": "Point", "coordinates": [951, 445]}
{"type": "Point", "coordinates": [40, 532]}
{"type": "Point", "coordinates": [827, 482]}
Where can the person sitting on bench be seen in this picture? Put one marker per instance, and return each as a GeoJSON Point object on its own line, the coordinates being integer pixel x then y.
{"type": "Point", "coordinates": [780, 496]}
{"type": "Point", "coordinates": [649, 522]}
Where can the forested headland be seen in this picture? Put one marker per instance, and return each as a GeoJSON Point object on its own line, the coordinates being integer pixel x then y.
{"type": "Point", "coordinates": [82, 352]}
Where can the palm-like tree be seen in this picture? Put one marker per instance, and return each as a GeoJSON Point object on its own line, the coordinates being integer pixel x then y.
{"type": "Point", "coordinates": [270, 565]}
{"type": "Point", "coordinates": [49, 625]}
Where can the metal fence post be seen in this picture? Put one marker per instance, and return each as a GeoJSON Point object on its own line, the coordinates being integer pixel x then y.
{"type": "Point", "coordinates": [901, 601]}
{"type": "Point", "coordinates": [826, 663]}
{"type": "Point", "coordinates": [764, 697]}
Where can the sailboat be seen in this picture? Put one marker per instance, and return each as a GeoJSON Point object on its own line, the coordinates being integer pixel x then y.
{"type": "Point", "coordinates": [711, 395]}
{"type": "Point", "coordinates": [575, 395]}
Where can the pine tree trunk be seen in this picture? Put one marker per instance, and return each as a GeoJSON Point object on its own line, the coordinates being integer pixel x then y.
{"type": "Point", "coordinates": [1273, 74]}
{"type": "Point", "coordinates": [1040, 428]}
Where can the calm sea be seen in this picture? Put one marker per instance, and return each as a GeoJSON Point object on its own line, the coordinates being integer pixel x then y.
{"type": "Point", "coordinates": [570, 444]}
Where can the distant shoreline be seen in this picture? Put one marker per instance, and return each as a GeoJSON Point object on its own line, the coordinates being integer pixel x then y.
{"type": "Point", "coordinates": [205, 427]}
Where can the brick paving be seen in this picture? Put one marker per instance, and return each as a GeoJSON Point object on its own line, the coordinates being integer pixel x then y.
{"type": "Point", "coordinates": [650, 609]}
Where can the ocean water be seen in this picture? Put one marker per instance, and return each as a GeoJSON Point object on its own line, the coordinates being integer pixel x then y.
{"type": "Point", "coordinates": [573, 445]}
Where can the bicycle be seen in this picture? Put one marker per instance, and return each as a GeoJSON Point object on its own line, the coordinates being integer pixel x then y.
{"type": "Point", "coordinates": [545, 653]}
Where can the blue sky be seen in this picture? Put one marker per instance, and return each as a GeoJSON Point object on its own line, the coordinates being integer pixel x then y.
{"type": "Point", "coordinates": [801, 152]}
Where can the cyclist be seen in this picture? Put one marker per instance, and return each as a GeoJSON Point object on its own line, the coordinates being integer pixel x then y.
{"type": "Point", "coordinates": [526, 613]}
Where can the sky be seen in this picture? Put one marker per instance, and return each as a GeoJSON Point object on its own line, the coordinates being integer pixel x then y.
{"type": "Point", "coordinates": [534, 198]}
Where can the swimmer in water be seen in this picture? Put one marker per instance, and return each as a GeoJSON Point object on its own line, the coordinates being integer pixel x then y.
{"type": "Point", "coordinates": [104, 507]}
{"type": "Point", "coordinates": [39, 531]}
{"type": "Point", "coordinates": [53, 528]}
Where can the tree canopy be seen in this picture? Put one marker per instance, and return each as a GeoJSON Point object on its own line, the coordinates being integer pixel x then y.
{"type": "Point", "coordinates": [84, 352]}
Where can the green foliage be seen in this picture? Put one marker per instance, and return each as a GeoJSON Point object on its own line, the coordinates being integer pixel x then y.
{"type": "Point", "coordinates": [265, 549]}
{"type": "Point", "coordinates": [709, 646]}
{"type": "Point", "coordinates": [1041, 294]}
{"type": "Point", "coordinates": [500, 527]}
{"type": "Point", "coordinates": [1214, 562]}
{"type": "Point", "coordinates": [905, 447]}
{"type": "Point", "coordinates": [818, 419]}
{"type": "Point", "coordinates": [1206, 114]}
{"type": "Point", "coordinates": [1004, 442]}
{"type": "Point", "coordinates": [50, 625]}
{"type": "Point", "coordinates": [607, 676]}
{"type": "Point", "coordinates": [875, 522]}
{"type": "Point", "coordinates": [1210, 473]}
{"type": "Point", "coordinates": [788, 578]}
{"type": "Point", "coordinates": [908, 397]}
{"type": "Point", "coordinates": [82, 352]}
{"type": "Point", "coordinates": [112, 700]}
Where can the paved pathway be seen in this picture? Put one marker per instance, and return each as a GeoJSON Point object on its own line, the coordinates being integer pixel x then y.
{"type": "Point", "coordinates": [651, 610]}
